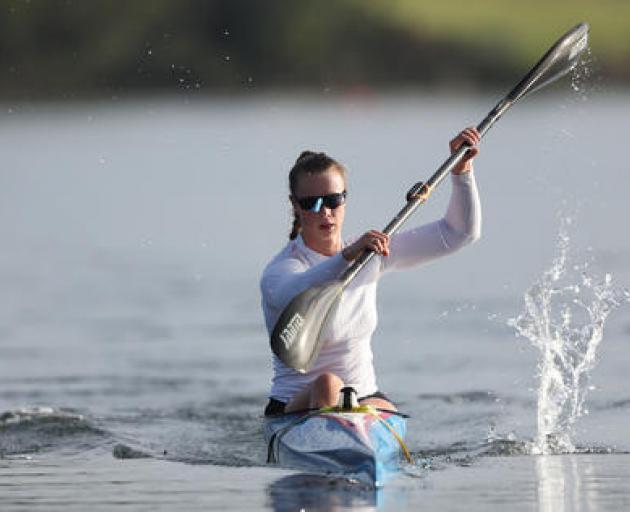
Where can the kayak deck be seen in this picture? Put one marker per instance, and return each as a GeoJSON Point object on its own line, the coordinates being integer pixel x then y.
{"type": "Point", "coordinates": [365, 446]}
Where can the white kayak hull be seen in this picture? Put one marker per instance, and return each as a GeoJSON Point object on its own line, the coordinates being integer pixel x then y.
{"type": "Point", "coordinates": [350, 444]}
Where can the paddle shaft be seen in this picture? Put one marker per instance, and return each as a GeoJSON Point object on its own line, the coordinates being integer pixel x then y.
{"type": "Point", "coordinates": [571, 44]}
{"type": "Point", "coordinates": [420, 192]}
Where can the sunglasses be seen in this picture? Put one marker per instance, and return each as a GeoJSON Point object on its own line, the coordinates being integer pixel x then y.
{"type": "Point", "coordinates": [315, 203]}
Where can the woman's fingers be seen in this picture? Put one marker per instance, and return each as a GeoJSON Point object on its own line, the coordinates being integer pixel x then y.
{"type": "Point", "coordinates": [378, 242]}
{"type": "Point", "coordinates": [471, 137]}
{"type": "Point", "coordinates": [468, 136]}
{"type": "Point", "coordinates": [376, 245]}
{"type": "Point", "coordinates": [373, 240]}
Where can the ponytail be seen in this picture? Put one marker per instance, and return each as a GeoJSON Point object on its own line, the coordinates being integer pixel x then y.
{"type": "Point", "coordinates": [296, 228]}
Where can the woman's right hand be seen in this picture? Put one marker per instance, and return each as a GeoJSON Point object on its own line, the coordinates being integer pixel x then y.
{"type": "Point", "coordinates": [373, 240]}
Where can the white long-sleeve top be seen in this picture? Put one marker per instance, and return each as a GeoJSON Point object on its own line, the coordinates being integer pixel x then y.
{"type": "Point", "coordinates": [346, 350]}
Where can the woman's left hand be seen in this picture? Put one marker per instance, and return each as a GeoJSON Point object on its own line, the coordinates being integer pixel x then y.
{"type": "Point", "coordinates": [471, 137]}
{"type": "Point", "coordinates": [373, 240]}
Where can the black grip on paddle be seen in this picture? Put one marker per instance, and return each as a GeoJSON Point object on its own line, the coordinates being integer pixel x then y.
{"type": "Point", "coordinates": [415, 190]}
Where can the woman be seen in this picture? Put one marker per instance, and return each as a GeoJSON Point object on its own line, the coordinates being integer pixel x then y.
{"type": "Point", "coordinates": [316, 253]}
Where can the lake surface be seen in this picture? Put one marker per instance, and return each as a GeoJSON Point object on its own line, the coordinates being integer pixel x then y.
{"type": "Point", "coordinates": [134, 363]}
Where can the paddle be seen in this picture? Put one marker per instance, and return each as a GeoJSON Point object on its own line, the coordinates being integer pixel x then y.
{"type": "Point", "coordinates": [296, 335]}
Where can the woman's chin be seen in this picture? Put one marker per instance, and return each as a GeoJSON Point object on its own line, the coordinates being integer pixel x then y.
{"type": "Point", "coordinates": [329, 236]}
{"type": "Point", "coordinates": [322, 240]}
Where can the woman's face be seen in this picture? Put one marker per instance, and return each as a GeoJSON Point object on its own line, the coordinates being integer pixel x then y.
{"type": "Point", "coordinates": [322, 227]}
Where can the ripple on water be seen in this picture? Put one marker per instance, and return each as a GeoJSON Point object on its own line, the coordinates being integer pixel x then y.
{"type": "Point", "coordinates": [34, 429]}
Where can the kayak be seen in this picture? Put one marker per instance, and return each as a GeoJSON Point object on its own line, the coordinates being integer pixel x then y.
{"type": "Point", "coordinates": [361, 443]}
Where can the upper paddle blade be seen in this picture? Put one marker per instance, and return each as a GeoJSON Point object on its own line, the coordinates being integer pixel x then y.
{"type": "Point", "coordinates": [558, 61]}
{"type": "Point", "coordinates": [295, 337]}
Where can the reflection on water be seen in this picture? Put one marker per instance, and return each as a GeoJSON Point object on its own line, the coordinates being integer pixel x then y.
{"type": "Point", "coordinates": [560, 483]}
{"type": "Point", "coordinates": [308, 492]}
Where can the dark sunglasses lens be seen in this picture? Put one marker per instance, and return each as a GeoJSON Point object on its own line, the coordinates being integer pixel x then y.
{"type": "Point", "coordinates": [307, 203]}
{"type": "Point", "coordinates": [332, 201]}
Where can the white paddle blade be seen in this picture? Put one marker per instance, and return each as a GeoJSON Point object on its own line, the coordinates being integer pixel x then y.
{"type": "Point", "coordinates": [295, 338]}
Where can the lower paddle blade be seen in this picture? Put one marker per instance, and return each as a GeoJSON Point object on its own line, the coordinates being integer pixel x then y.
{"type": "Point", "coordinates": [295, 337]}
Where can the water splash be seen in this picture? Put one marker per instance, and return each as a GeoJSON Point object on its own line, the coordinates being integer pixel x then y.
{"type": "Point", "coordinates": [564, 316]}
{"type": "Point", "coordinates": [585, 75]}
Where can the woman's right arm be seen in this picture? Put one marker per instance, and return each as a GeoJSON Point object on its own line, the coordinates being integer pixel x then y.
{"type": "Point", "coordinates": [287, 278]}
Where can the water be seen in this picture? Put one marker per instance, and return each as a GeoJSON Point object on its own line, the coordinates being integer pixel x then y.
{"type": "Point", "coordinates": [564, 318]}
{"type": "Point", "coordinates": [134, 363]}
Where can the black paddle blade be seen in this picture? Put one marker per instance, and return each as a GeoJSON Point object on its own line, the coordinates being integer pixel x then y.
{"type": "Point", "coordinates": [561, 58]}
{"type": "Point", "coordinates": [295, 337]}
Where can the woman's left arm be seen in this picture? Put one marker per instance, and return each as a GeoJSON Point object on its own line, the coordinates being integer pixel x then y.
{"type": "Point", "coordinates": [460, 225]}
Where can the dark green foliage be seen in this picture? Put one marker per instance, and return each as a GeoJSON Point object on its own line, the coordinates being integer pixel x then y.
{"type": "Point", "coordinates": [65, 49]}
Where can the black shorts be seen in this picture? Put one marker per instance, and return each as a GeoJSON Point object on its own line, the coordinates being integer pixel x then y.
{"type": "Point", "coordinates": [275, 407]}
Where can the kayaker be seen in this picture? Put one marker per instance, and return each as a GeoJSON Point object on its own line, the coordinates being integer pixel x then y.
{"type": "Point", "coordinates": [316, 253]}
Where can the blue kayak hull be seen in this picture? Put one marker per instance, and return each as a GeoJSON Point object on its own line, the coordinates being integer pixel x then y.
{"type": "Point", "coordinates": [350, 444]}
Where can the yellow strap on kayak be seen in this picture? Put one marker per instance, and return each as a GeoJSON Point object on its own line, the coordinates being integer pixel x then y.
{"type": "Point", "coordinates": [368, 409]}
{"type": "Point", "coordinates": [402, 444]}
